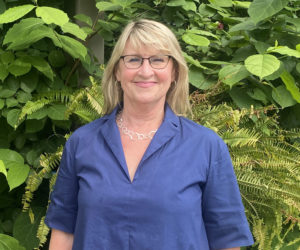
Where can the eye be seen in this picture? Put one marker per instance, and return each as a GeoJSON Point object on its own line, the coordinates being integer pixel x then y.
{"type": "Point", "coordinates": [132, 59]}
{"type": "Point", "coordinates": [157, 59]}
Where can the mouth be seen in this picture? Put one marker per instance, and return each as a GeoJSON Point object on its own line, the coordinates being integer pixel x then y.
{"type": "Point", "coordinates": [144, 84]}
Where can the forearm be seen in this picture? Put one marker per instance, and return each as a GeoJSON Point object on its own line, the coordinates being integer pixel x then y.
{"type": "Point", "coordinates": [60, 240]}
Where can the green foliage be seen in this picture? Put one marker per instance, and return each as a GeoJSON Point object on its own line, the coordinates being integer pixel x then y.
{"type": "Point", "coordinates": [243, 53]}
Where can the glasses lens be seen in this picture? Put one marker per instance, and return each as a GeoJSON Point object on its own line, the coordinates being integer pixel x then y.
{"type": "Point", "coordinates": [159, 61]}
{"type": "Point", "coordinates": [132, 62]}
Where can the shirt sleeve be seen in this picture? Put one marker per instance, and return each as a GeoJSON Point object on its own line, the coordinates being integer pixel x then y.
{"type": "Point", "coordinates": [62, 211]}
{"type": "Point", "coordinates": [223, 212]}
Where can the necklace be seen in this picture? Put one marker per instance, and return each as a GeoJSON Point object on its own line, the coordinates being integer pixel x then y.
{"type": "Point", "coordinates": [132, 134]}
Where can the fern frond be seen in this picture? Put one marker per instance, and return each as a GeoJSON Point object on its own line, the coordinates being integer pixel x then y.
{"type": "Point", "coordinates": [240, 138]}
{"type": "Point", "coordinates": [42, 233]}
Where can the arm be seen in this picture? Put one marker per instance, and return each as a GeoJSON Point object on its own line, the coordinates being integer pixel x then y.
{"type": "Point", "coordinates": [60, 240]}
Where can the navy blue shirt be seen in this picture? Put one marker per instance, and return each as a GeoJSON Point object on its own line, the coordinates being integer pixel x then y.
{"type": "Point", "coordinates": [184, 195]}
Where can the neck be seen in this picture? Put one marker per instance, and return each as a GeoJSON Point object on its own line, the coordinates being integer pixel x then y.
{"type": "Point", "coordinates": [143, 117]}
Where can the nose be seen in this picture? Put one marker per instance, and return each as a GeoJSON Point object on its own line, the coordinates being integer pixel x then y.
{"type": "Point", "coordinates": [146, 68]}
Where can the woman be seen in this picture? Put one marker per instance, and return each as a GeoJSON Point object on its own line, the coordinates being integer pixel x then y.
{"type": "Point", "coordinates": [143, 176]}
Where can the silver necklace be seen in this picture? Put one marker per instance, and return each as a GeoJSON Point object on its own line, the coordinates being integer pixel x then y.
{"type": "Point", "coordinates": [132, 134]}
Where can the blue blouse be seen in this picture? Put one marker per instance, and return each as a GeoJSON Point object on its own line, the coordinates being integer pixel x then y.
{"type": "Point", "coordinates": [184, 195]}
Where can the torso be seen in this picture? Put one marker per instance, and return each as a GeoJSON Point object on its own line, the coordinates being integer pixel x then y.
{"type": "Point", "coordinates": [133, 151]}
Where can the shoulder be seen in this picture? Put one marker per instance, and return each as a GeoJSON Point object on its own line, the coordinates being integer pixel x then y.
{"type": "Point", "coordinates": [85, 134]}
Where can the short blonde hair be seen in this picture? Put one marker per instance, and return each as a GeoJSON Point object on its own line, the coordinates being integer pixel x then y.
{"type": "Point", "coordinates": [154, 34]}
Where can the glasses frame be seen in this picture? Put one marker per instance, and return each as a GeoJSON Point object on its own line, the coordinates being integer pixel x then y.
{"type": "Point", "coordinates": [144, 58]}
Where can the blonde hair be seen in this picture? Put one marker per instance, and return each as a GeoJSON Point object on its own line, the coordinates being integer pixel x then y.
{"type": "Point", "coordinates": [154, 34]}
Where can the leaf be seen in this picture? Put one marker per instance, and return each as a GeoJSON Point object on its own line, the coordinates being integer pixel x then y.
{"type": "Point", "coordinates": [262, 9]}
{"type": "Point", "coordinates": [19, 67]}
{"type": "Point", "coordinates": [106, 6]}
{"type": "Point", "coordinates": [283, 97]}
{"type": "Point", "coordinates": [245, 25]}
{"type": "Point", "coordinates": [7, 57]}
{"type": "Point", "coordinates": [290, 84]}
{"type": "Point", "coordinates": [3, 168]}
{"type": "Point", "coordinates": [284, 50]}
{"type": "Point", "coordinates": [2, 6]}
{"type": "Point", "coordinates": [2, 103]}
{"type": "Point", "coordinates": [56, 58]}
{"type": "Point", "coordinates": [23, 97]}
{"type": "Point", "coordinates": [232, 74]}
{"type": "Point", "coordinates": [241, 99]}
{"type": "Point", "coordinates": [204, 33]}
{"type": "Point", "coordinates": [52, 15]}
{"type": "Point", "coordinates": [84, 18]}
{"type": "Point", "coordinates": [41, 65]}
{"type": "Point", "coordinates": [33, 126]}
{"type": "Point", "coordinates": [193, 61]}
{"type": "Point", "coordinates": [196, 40]}
{"type": "Point", "coordinates": [9, 243]}
{"type": "Point", "coordinates": [189, 5]}
{"type": "Point", "coordinates": [262, 65]}
{"type": "Point", "coordinates": [57, 112]}
{"type": "Point", "coordinates": [17, 174]}
{"type": "Point", "coordinates": [73, 47]}
{"type": "Point", "coordinates": [221, 3]}
{"type": "Point", "coordinates": [3, 72]}
{"type": "Point", "coordinates": [11, 102]}
{"type": "Point", "coordinates": [25, 230]}
{"type": "Point", "coordinates": [22, 29]}
{"type": "Point", "coordinates": [174, 3]}
{"type": "Point", "coordinates": [13, 14]}
{"type": "Point", "coordinates": [13, 117]}
{"type": "Point", "coordinates": [74, 29]}
{"type": "Point", "coordinates": [10, 157]}
{"type": "Point", "coordinates": [197, 79]}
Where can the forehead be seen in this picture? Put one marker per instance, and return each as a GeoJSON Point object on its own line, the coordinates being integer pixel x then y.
{"type": "Point", "coordinates": [139, 48]}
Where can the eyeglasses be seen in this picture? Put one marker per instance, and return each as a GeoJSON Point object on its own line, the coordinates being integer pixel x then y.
{"type": "Point", "coordinates": [156, 62]}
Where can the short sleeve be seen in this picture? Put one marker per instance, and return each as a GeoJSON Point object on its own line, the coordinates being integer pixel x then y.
{"type": "Point", "coordinates": [62, 211]}
{"type": "Point", "coordinates": [223, 212]}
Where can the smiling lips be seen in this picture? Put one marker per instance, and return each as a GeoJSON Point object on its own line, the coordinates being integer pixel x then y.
{"type": "Point", "coordinates": [144, 84]}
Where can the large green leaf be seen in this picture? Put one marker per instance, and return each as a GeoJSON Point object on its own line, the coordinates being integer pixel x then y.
{"type": "Point", "coordinates": [13, 14]}
{"type": "Point", "coordinates": [243, 26]}
{"type": "Point", "coordinates": [73, 47]}
{"type": "Point", "coordinates": [106, 6]}
{"type": "Point", "coordinates": [262, 9]}
{"type": "Point", "coordinates": [41, 65]}
{"type": "Point", "coordinates": [232, 74]}
{"type": "Point", "coordinates": [3, 72]}
{"type": "Point", "coordinates": [221, 3]}
{"type": "Point", "coordinates": [190, 5]}
{"type": "Point", "coordinates": [21, 30]}
{"type": "Point", "coordinates": [197, 79]}
{"type": "Point", "coordinates": [10, 157]}
{"type": "Point", "coordinates": [25, 230]}
{"type": "Point", "coordinates": [241, 99]}
{"type": "Point", "coordinates": [9, 243]}
{"type": "Point", "coordinates": [74, 29]}
{"type": "Point", "coordinates": [290, 84]}
{"type": "Point", "coordinates": [193, 61]}
{"type": "Point", "coordinates": [2, 6]}
{"type": "Point", "coordinates": [35, 35]}
{"type": "Point", "coordinates": [283, 97]}
{"type": "Point", "coordinates": [84, 18]}
{"type": "Point", "coordinates": [194, 39]}
{"type": "Point", "coordinates": [3, 168]}
{"type": "Point", "coordinates": [284, 50]}
{"type": "Point", "coordinates": [176, 3]}
{"type": "Point", "coordinates": [17, 174]}
{"type": "Point", "coordinates": [19, 67]}
{"type": "Point", "coordinates": [52, 15]}
{"type": "Point", "coordinates": [57, 112]}
{"type": "Point", "coordinates": [13, 117]}
{"type": "Point", "coordinates": [262, 65]}
{"type": "Point", "coordinates": [7, 57]}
